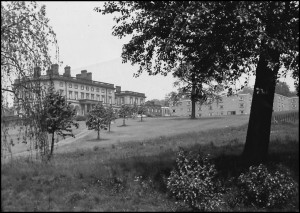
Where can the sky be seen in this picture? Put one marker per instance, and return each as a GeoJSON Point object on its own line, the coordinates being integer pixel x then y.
{"type": "Point", "coordinates": [86, 42]}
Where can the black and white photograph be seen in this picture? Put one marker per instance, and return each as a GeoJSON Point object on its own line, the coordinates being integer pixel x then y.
{"type": "Point", "coordinates": [150, 106]}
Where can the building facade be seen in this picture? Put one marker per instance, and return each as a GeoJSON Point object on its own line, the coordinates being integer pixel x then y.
{"type": "Point", "coordinates": [153, 109]}
{"type": "Point", "coordinates": [82, 91]}
{"type": "Point", "coordinates": [233, 105]}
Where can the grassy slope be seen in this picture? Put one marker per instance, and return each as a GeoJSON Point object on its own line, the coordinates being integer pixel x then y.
{"type": "Point", "coordinates": [105, 178]}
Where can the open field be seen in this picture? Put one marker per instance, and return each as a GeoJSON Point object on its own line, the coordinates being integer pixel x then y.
{"type": "Point", "coordinates": [135, 131]}
{"type": "Point", "coordinates": [129, 176]}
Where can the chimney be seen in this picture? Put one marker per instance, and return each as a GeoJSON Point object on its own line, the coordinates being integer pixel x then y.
{"type": "Point", "coordinates": [118, 89]}
{"type": "Point", "coordinates": [89, 76]}
{"type": "Point", "coordinates": [83, 74]}
{"type": "Point", "coordinates": [78, 76]}
{"type": "Point", "coordinates": [36, 72]}
{"type": "Point", "coordinates": [67, 71]}
{"type": "Point", "coordinates": [54, 68]}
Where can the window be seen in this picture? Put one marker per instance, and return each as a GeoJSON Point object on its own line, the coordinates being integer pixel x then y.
{"type": "Point", "coordinates": [221, 113]}
{"type": "Point", "coordinates": [82, 95]}
{"type": "Point", "coordinates": [189, 109]}
{"type": "Point", "coordinates": [131, 100]}
{"type": "Point", "coordinates": [61, 92]}
{"type": "Point", "coordinates": [221, 107]}
{"type": "Point", "coordinates": [210, 114]}
{"type": "Point", "coordinates": [110, 100]}
{"type": "Point", "coordinates": [109, 91]}
{"type": "Point", "coordinates": [241, 105]}
{"type": "Point", "coordinates": [61, 84]}
{"type": "Point", "coordinates": [241, 98]}
{"type": "Point", "coordinates": [188, 103]}
{"type": "Point", "coordinates": [97, 89]}
{"type": "Point", "coordinates": [92, 88]}
{"type": "Point", "coordinates": [199, 115]}
{"type": "Point", "coordinates": [76, 95]}
{"type": "Point", "coordinates": [136, 100]}
{"type": "Point", "coordinates": [87, 96]}
{"type": "Point", "coordinates": [122, 100]}
{"type": "Point", "coordinates": [76, 86]}
{"type": "Point", "coordinates": [199, 108]}
{"type": "Point", "coordinates": [92, 96]}
{"type": "Point", "coordinates": [70, 85]}
{"type": "Point", "coordinates": [70, 94]}
{"type": "Point", "coordinates": [102, 90]}
{"type": "Point", "coordinates": [82, 87]}
{"type": "Point", "coordinates": [141, 101]}
{"type": "Point", "coordinates": [103, 98]}
{"type": "Point", "coordinates": [210, 107]}
{"type": "Point", "coordinates": [87, 88]}
{"type": "Point", "coordinates": [98, 97]}
{"type": "Point", "coordinates": [173, 110]}
{"type": "Point", "coordinates": [242, 112]}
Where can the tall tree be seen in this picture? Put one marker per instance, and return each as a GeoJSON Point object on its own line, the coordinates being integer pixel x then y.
{"type": "Point", "coordinates": [124, 112]}
{"type": "Point", "coordinates": [110, 116]}
{"type": "Point", "coordinates": [27, 41]}
{"type": "Point", "coordinates": [282, 89]}
{"type": "Point", "coordinates": [221, 40]}
{"type": "Point", "coordinates": [97, 119]}
{"type": "Point", "coordinates": [57, 116]}
{"type": "Point", "coordinates": [142, 110]}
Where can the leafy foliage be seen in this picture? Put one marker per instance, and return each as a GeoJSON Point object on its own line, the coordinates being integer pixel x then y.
{"type": "Point", "coordinates": [110, 116]}
{"type": "Point", "coordinates": [27, 41]}
{"type": "Point", "coordinates": [124, 111]}
{"type": "Point", "coordinates": [194, 181]}
{"type": "Point", "coordinates": [57, 116]}
{"type": "Point", "coordinates": [97, 119]}
{"type": "Point", "coordinates": [261, 188]}
{"type": "Point", "coordinates": [142, 110]}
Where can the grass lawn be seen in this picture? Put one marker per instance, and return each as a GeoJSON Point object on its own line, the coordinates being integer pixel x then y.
{"type": "Point", "coordinates": [133, 131]}
{"type": "Point", "coordinates": [117, 175]}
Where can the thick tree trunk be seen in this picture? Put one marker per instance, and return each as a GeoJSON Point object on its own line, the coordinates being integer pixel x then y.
{"type": "Point", "coordinates": [258, 134]}
{"type": "Point", "coordinates": [193, 115]}
{"type": "Point", "coordinates": [52, 145]}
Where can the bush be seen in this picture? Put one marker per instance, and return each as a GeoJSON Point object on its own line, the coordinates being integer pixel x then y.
{"type": "Point", "coordinates": [194, 182]}
{"type": "Point", "coordinates": [261, 188]}
{"type": "Point", "coordinates": [80, 118]}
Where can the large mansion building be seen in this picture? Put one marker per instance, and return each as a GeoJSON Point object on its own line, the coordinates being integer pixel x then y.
{"type": "Point", "coordinates": [82, 91]}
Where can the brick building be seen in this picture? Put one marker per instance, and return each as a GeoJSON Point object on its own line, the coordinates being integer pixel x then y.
{"type": "Point", "coordinates": [233, 105]}
{"type": "Point", "coordinates": [81, 91]}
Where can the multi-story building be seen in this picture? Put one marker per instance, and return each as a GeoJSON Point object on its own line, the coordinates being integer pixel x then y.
{"type": "Point", "coordinates": [128, 97]}
{"type": "Point", "coordinates": [81, 91]}
{"type": "Point", "coordinates": [293, 103]}
{"type": "Point", "coordinates": [232, 105]}
{"type": "Point", "coordinates": [153, 109]}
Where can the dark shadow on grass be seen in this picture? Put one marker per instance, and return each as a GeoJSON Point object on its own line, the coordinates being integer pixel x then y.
{"type": "Point", "coordinates": [98, 140]}
{"type": "Point", "coordinates": [196, 119]}
{"type": "Point", "coordinates": [123, 125]}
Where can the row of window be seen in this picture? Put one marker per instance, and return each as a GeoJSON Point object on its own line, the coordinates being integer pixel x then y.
{"type": "Point", "coordinates": [87, 96]}
{"type": "Point", "coordinates": [153, 110]}
{"type": "Point", "coordinates": [61, 84]}
{"type": "Point", "coordinates": [241, 105]}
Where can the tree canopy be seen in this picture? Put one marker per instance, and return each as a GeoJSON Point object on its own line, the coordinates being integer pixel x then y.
{"type": "Point", "coordinates": [97, 119]}
{"type": "Point", "coordinates": [221, 40]}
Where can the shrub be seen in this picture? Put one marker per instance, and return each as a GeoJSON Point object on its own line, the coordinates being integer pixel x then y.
{"type": "Point", "coordinates": [261, 188]}
{"type": "Point", "coordinates": [80, 118]}
{"type": "Point", "coordinates": [194, 182]}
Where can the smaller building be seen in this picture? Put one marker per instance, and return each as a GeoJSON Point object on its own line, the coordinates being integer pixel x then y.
{"type": "Point", "coordinates": [153, 109]}
{"type": "Point", "coordinates": [165, 111]}
{"type": "Point", "coordinates": [128, 97]}
{"type": "Point", "coordinates": [293, 103]}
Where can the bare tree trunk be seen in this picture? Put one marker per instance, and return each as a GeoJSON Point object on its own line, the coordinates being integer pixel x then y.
{"type": "Point", "coordinates": [52, 145]}
{"type": "Point", "coordinates": [258, 134]}
{"type": "Point", "coordinates": [124, 121]}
